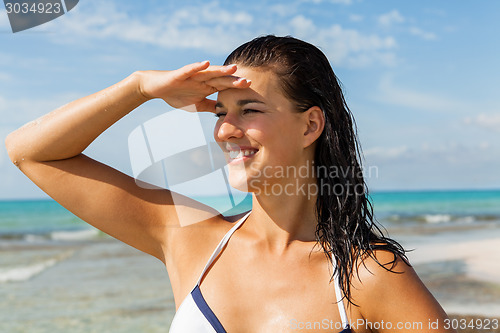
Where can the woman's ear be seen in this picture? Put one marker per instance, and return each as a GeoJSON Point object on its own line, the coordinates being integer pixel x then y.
{"type": "Point", "coordinates": [315, 121]}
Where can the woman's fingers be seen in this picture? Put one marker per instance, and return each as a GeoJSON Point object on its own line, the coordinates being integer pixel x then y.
{"type": "Point", "coordinates": [219, 77]}
{"type": "Point", "coordinates": [213, 72]}
{"type": "Point", "coordinates": [191, 69]}
{"type": "Point", "coordinates": [228, 82]}
{"type": "Point", "coordinates": [206, 105]}
{"type": "Point", "coordinates": [191, 84]}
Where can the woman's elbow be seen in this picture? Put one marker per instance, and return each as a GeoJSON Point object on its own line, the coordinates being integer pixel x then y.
{"type": "Point", "coordinates": [14, 148]}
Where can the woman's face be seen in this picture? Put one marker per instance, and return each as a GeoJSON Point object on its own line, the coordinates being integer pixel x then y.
{"type": "Point", "coordinates": [259, 130]}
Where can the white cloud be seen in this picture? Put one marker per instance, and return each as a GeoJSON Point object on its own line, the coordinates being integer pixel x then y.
{"type": "Point", "coordinates": [390, 18]}
{"type": "Point", "coordinates": [488, 121]}
{"type": "Point", "coordinates": [451, 28]}
{"type": "Point", "coordinates": [449, 151]}
{"type": "Point", "coordinates": [20, 111]}
{"type": "Point", "coordinates": [3, 151]}
{"type": "Point", "coordinates": [344, 2]}
{"type": "Point", "coordinates": [356, 18]}
{"type": "Point", "coordinates": [394, 17]}
{"type": "Point", "coordinates": [395, 94]}
{"type": "Point", "coordinates": [302, 26]}
{"type": "Point", "coordinates": [197, 28]}
{"type": "Point", "coordinates": [346, 47]}
{"type": "Point", "coordinates": [386, 152]}
{"type": "Point", "coordinates": [439, 165]}
{"type": "Point", "coordinates": [5, 77]}
{"type": "Point", "coordinates": [283, 10]}
{"type": "Point", "coordinates": [423, 34]}
{"type": "Point", "coordinates": [341, 2]}
{"type": "Point", "coordinates": [4, 21]}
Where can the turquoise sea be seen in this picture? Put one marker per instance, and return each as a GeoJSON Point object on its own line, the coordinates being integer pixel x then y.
{"type": "Point", "coordinates": [58, 274]}
{"type": "Point", "coordinates": [434, 207]}
{"type": "Point", "coordinates": [33, 219]}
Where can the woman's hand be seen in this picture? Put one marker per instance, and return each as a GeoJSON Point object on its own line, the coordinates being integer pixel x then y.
{"type": "Point", "coordinates": [190, 85]}
{"type": "Point", "coordinates": [49, 151]}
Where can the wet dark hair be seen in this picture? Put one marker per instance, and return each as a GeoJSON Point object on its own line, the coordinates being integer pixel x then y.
{"type": "Point", "coordinates": [346, 225]}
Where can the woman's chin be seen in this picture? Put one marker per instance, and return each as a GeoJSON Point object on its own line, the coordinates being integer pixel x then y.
{"type": "Point", "coordinates": [239, 182]}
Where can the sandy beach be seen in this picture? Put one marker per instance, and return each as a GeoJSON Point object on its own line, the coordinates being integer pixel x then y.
{"type": "Point", "coordinates": [102, 285]}
{"type": "Point", "coordinates": [98, 286]}
{"type": "Point", "coordinates": [460, 268]}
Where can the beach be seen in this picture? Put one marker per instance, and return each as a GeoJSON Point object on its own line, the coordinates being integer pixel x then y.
{"type": "Point", "coordinates": [91, 286]}
{"type": "Point", "coordinates": [79, 280]}
{"type": "Point", "coordinates": [460, 269]}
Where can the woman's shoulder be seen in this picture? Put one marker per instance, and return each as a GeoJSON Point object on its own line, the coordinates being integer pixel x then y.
{"type": "Point", "coordinates": [198, 235]}
{"type": "Point", "coordinates": [190, 248]}
{"type": "Point", "coordinates": [377, 267]}
{"type": "Point", "coordinates": [194, 226]}
{"type": "Point", "coordinates": [191, 244]}
{"type": "Point", "coordinates": [377, 277]}
{"type": "Point", "coordinates": [386, 287]}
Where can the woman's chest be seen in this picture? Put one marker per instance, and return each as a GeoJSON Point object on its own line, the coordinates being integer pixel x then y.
{"type": "Point", "coordinates": [257, 293]}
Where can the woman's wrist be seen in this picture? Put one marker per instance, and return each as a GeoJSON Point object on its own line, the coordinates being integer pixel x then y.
{"type": "Point", "coordinates": [138, 78]}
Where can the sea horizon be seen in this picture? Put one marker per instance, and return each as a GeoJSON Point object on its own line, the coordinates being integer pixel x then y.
{"type": "Point", "coordinates": [45, 218]}
{"type": "Point", "coordinates": [46, 252]}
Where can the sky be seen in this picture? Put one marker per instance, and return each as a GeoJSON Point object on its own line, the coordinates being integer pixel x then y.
{"type": "Point", "coordinates": [421, 77]}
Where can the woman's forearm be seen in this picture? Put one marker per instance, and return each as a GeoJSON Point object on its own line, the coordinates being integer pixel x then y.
{"type": "Point", "coordinates": [68, 130]}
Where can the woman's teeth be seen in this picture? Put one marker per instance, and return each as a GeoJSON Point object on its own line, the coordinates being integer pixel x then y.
{"type": "Point", "coordinates": [233, 154]}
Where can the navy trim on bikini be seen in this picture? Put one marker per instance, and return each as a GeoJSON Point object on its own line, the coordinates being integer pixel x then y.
{"type": "Point", "coordinates": [212, 318]}
{"type": "Point", "coordinates": [207, 312]}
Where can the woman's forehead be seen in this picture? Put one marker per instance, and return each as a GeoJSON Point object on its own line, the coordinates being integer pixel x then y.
{"type": "Point", "coordinates": [264, 87]}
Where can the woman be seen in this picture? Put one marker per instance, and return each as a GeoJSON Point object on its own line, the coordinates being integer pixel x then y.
{"type": "Point", "coordinates": [309, 258]}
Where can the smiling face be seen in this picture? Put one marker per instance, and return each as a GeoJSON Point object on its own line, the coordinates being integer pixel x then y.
{"type": "Point", "coordinates": [259, 130]}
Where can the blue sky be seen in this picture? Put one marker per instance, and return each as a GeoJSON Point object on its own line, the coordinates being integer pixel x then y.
{"type": "Point", "coordinates": [421, 77]}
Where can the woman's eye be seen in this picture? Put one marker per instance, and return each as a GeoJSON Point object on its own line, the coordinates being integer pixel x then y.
{"type": "Point", "coordinates": [220, 114]}
{"type": "Point", "coordinates": [251, 111]}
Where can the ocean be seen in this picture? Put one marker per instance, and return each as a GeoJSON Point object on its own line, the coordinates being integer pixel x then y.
{"type": "Point", "coordinates": [58, 274]}
{"type": "Point", "coordinates": [437, 207]}
{"type": "Point", "coordinates": [31, 220]}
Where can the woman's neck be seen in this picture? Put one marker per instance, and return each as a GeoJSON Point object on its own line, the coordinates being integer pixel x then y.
{"type": "Point", "coordinates": [281, 220]}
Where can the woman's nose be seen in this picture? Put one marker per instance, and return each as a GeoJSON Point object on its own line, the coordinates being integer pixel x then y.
{"type": "Point", "coordinates": [228, 129]}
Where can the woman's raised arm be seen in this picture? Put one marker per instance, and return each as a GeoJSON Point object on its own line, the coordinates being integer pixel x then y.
{"type": "Point", "coordinates": [49, 151]}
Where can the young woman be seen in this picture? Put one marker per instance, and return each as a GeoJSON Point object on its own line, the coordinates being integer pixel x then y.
{"type": "Point", "coordinates": [310, 258]}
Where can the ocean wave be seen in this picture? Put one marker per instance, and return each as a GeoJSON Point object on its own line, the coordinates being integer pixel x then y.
{"type": "Point", "coordinates": [74, 235]}
{"type": "Point", "coordinates": [58, 235]}
{"type": "Point", "coordinates": [437, 218]}
{"type": "Point", "coordinates": [24, 273]}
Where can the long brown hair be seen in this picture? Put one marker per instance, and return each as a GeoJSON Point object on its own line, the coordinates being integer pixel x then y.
{"type": "Point", "coordinates": [346, 229]}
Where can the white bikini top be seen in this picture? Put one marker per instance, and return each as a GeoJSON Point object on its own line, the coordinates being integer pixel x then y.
{"type": "Point", "coordinates": [194, 314]}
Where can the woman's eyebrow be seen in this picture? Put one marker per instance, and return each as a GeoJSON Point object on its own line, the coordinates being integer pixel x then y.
{"type": "Point", "coordinates": [248, 101]}
{"type": "Point", "coordinates": [241, 102]}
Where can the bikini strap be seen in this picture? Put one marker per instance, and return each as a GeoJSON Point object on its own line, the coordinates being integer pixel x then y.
{"type": "Point", "coordinates": [221, 245]}
{"type": "Point", "coordinates": [339, 295]}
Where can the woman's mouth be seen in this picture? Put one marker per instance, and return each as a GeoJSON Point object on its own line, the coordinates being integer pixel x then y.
{"type": "Point", "coordinates": [240, 154]}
